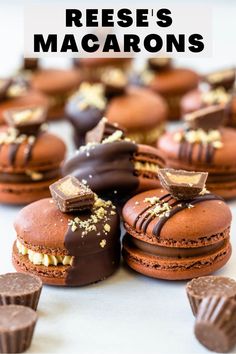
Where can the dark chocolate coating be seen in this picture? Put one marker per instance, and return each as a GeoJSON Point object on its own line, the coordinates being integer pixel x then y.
{"type": "Point", "coordinates": [82, 120]}
{"type": "Point", "coordinates": [91, 262]}
{"type": "Point", "coordinates": [105, 167]}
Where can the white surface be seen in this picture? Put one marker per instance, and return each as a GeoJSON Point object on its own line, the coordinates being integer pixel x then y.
{"type": "Point", "coordinates": [127, 313]}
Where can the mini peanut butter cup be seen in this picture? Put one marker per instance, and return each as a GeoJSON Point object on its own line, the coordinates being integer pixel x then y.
{"type": "Point", "coordinates": [4, 85]}
{"type": "Point", "coordinates": [182, 184]}
{"type": "Point", "coordinates": [30, 64]}
{"type": "Point", "coordinates": [20, 289]}
{"type": "Point", "coordinates": [207, 118]}
{"type": "Point", "coordinates": [17, 325]}
{"type": "Point", "coordinates": [70, 195]}
{"type": "Point", "coordinates": [215, 325]}
{"type": "Point", "coordinates": [102, 131]}
{"type": "Point", "coordinates": [221, 78]}
{"type": "Point", "coordinates": [199, 288]}
{"type": "Point", "coordinates": [115, 82]}
{"type": "Point", "coordinates": [159, 64]}
{"type": "Point", "coordinates": [27, 120]}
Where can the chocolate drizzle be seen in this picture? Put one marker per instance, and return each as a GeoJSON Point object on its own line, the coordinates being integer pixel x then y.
{"type": "Point", "coordinates": [205, 153]}
{"type": "Point", "coordinates": [144, 218]}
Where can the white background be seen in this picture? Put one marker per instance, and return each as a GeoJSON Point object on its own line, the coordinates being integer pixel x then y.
{"type": "Point", "coordinates": [127, 313]}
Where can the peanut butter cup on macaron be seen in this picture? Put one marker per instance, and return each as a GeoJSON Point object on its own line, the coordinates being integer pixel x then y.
{"type": "Point", "coordinates": [218, 89]}
{"type": "Point", "coordinates": [70, 240]}
{"type": "Point", "coordinates": [16, 92]}
{"type": "Point", "coordinates": [113, 166]}
{"type": "Point", "coordinates": [204, 145]}
{"type": "Point", "coordinates": [169, 235]}
{"type": "Point", "coordinates": [30, 157]}
{"type": "Point", "coordinates": [138, 110]}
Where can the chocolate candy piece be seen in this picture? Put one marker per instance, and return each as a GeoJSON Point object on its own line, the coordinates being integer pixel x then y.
{"type": "Point", "coordinates": [159, 64]}
{"type": "Point", "coordinates": [20, 289]}
{"type": "Point", "coordinates": [30, 64]}
{"type": "Point", "coordinates": [4, 85]}
{"type": "Point", "coordinates": [17, 325]}
{"type": "Point", "coordinates": [26, 120]}
{"type": "Point", "coordinates": [215, 325]}
{"type": "Point", "coordinates": [102, 131]}
{"type": "Point", "coordinates": [71, 195]}
{"type": "Point", "coordinates": [199, 288]}
{"type": "Point", "coordinates": [114, 81]}
{"type": "Point", "coordinates": [182, 184]}
{"type": "Point", "coordinates": [221, 78]}
{"type": "Point", "coordinates": [208, 118]}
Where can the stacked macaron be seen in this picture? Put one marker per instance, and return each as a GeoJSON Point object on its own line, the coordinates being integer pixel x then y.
{"type": "Point", "coordinates": [114, 166]}
{"type": "Point", "coordinates": [139, 110]}
{"type": "Point", "coordinates": [172, 83]}
{"type": "Point", "coordinates": [70, 240]}
{"type": "Point", "coordinates": [169, 235]}
{"type": "Point", "coordinates": [30, 157]}
{"type": "Point", "coordinates": [218, 88]}
{"type": "Point", "coordinates": [205, 145]}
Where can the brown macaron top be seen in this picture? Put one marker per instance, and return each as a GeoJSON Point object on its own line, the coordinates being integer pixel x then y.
{"type": "Point", "coordinates": [223, 156]}
{"type": "Point", "coordinates": [47, 152]}
{"type": "Point", "coordinates": [93, 63]}
{"type": "Point", "coordinates": [56, 81]}
{"type": "Point", "coordinates": [42, 227]}
{"type": "Point", "coordinates": [138, 108]}
{"type": "Point", "coordinates": [174, 81]}
{"type": "Point", "coordinates": [188, 227]}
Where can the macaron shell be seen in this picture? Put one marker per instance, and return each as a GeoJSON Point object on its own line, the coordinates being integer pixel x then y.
{"type": "Point", "coordinates": [48, 152]}
{"type": "Point", "coordinates": [31, 98]}
{"type": "Point", "coordinates": [56, 81]}
{"type": "Point", "coordinates": [138, 109]}
{"type": "Point", "coordinates": [175, 269]}
{"type": "Point", "coordinates": [24, 193]}
{"type": "Point", "coordinates": [174, 81]}
{"type": "Point", "coordinates": [185, 227]}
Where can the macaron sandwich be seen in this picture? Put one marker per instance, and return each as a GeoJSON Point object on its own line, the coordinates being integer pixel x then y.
{"type": "Point", "coordinates": [141, 112]}
{"type": "Point", "coordinates": [114, 166]}
{"type": "Point", "coordinates": [30, 157]}
{"type": "Point", "coordinates": [70, 239]}
{"type": "Point", "coordinates": [171, 82]}
{"type": "Point", "coordinates": [204, 145]}
{"type": "Point", "coordinates": [179, 232]}
{"type": "Point", "coordinates": [217, 88]}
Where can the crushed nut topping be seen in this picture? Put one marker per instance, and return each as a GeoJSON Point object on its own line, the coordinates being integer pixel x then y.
{"type": "Point", "coordinates": [90, 95]}
{"type": "Point", "coordinates": [99, 212]}
{"type": "Point", "coordinates": [216, 96]}
{"type": "Point", "coordinates": [103, 243]}
{"type": "Point", "coordinates": [200, 136]}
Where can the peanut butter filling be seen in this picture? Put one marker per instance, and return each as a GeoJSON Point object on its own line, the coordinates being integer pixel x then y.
{"type": "Point", "coordinates": [43, 259]}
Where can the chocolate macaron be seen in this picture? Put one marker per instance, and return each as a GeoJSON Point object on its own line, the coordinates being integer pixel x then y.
{"type": "Point", "coordinates": [70, 241]}
{"type": "Point", "coordinates": [169, 235]}
{"type": "Point", "coordinates": [30, 157]}
{"type": "Point", "coordinates": [141, 112]}
{"type": "Point", "coordinates": [57, 85]}
{"type": "Point", "coordinates": [116, 168]}
{"type": "Point", "coordinates": [204, 146]}
{"type": "Point", "coordinates": [170, 82]}
{"type": "Point", "coordinates": [92, 69]}
{"type": "Point", "coordinates": [16, 92]}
